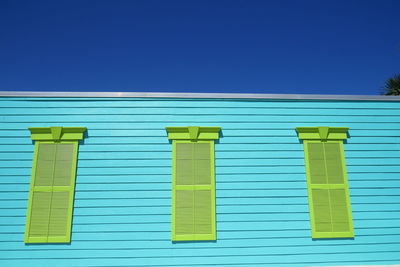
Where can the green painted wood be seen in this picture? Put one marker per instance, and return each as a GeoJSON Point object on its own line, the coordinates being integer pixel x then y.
{"type": "Point", "coordinates": [193, 191]}
{"type": "Point", "coordinates": [49, 215]}
{"type": "Point", "coordinates": [329, 201]}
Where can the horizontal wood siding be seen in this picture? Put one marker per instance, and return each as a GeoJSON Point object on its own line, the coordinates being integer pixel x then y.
{"type": "Point", "coordinates": [122, 214]}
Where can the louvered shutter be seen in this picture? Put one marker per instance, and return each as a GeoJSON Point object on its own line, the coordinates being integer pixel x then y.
{"type": "Point", "coordinates": [330, 209]}
{"type": "Point", "coordinates": [193, 191]}
{"type": "Point", "coordinates": [51, 194]}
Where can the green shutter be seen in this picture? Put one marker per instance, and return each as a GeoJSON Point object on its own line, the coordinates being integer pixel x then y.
{"type": "Point", "coordinates": [51, 193]}
{"type": "Point", "coordinates": [329, 200]}
{"type": "Point", "coordinates": [193, 196]}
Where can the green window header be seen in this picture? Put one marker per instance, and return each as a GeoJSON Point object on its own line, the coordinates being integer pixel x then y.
{"type": "Point", "coordinates": [323, 133]}
{"type": "Point", "coordinates": [57, 133]}
{"type": "Point", "coordinates": [193, 133]}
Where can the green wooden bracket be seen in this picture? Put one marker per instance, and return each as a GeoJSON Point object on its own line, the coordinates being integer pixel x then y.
{"type": "Point", "coordinates": [193, 133]}
{"type": "Point", "coordinates": [57, 133]}
{"type": "Point", "coordinates": [322, 133]}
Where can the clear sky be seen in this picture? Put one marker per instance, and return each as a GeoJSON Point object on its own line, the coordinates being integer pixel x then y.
{"type": "Point", "coordinates": [280, 46]}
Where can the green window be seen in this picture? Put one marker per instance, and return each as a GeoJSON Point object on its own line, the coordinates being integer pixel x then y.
{"type": "Point", "coordinates": [52, 188]}
{"type": "Point", "coordinates": [328, 190]}
{"type": "Point", "coordinates": [193, 182]}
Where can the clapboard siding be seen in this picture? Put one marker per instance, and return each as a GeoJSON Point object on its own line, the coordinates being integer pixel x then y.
{"type": "Point", "coordinates": [123, 186]}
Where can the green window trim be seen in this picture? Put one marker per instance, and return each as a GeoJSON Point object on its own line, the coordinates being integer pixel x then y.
{"type": "Point", "coordinates": [322, 133]}
{"type": "Point", "coordinates": [327, 182]}
{"type": "Point", "coordinates": [193, 133]}
{"type": "Point", "coordinates": [193, 201]}
{"type": "Point", "coordinates": [52, 187]}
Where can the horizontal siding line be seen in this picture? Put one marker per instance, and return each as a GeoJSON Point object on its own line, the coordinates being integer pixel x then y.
{"type": "Point", "coordinates": [168, 166]}
{"type": "Point", "coordinates": [220, 147]}
{"type": "Point", "coordinates": [14, 183]}
{"type": "Point", "coordinates": [219, 174]}
{"type": "Point", "coordinates": [212, 256]}
{"type": "Point", "coordinates": [171, 112]}
{"type": "Point", "coordinates": [225, 139]}
{"type": "Point", "coordinates": [203, 122]}
{"type": "Point", "coordinates": [200, 248]}
{"type": "Point", "coordinates": [225, 189]}
{"type": "Point", "coordinates": [296, 263]}
{"type": "Point", "coordinates": [314, 122]}
{"type": "Point", "coordinates": [132, 207]}
{"type": "Point", "coordinates": [169, 240]}
{"type": "Point", "coordinates": [229, 189]}
{"type": "Point", "coordinates": [146, 126]}
{"type": "Point", "coordinates": [236, 197]}
{"type": "Point", "coordinates": [202, 115]}
{"type": "Point", "coordinates": [262, 147]}
{"type": "Point", "coordinates": [219, 206]}
{"type": "Point", "coordinates": [367, 228]}
{"type": "Point", "coordinates": [214, 107]}
{"type": "Point", "coordinates": [225, 174]}
{"type": "Point", "coordinates": [160, 125]}
{"type": "Point", "coordinates": [304, 196]}
{"type": "Point", "coordinates": [220, 182]}
{"type": "Point", "coordinates": [218, 158]}
{"type": "Point", "coordinates": [224, 128]}
{"type": "Point", "coordinates": [224, 213]}
{"type": "Point", "coordinates": [386, 218]}
{"type": "Point", "coordinates": [149, 183]}
{"type": "Point", "coordinates": [233, 106]}
{"type": "Point", "coordinates": [162, 140]}
{"type": "Point", "coordinates": [349, 173]}
{"type": "Point", "coordinates": [218, 198]}
{"type": "Point", "coordinates": [308, 236]}
{"type": "Point", "coordinates": [254, 116]}
{"type": "Point", "coordinates": [190, 122]}
{"type": "Point", "coordinates": [223, 151]}
{"type": "Point", "coordinates": [194, 248]}
{"type": "Point", "coordinates": [225, 231]}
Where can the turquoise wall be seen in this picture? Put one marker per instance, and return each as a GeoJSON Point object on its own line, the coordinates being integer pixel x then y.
{"type": "Point", "coordinates": [123, 189]}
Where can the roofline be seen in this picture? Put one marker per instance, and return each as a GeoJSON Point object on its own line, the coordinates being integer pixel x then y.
{"type": "Point", "coordinates": [199, 95]}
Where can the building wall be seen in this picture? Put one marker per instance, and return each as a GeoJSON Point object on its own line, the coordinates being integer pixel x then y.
{"type": "Point", "coordinates": [123, 189]}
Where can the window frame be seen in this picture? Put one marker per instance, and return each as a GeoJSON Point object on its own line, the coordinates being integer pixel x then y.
{"type": "Point", "coordinates": [53, 135]}
{"type": "Point", "coordinates": [194, 134]}
{"type": "Point", "coordinates": [324, 134]}
{"type": "Point", "coordinates": [344, 185]}
{"type": "Point", "coordinates": [194, 187]}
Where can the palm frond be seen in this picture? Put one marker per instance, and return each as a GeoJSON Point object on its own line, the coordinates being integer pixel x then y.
{"type": "Point", "coordinates": [392, 85]}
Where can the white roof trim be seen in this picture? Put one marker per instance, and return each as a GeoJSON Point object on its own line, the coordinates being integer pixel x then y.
{"type": "Point", "coordinates": [200, 95]}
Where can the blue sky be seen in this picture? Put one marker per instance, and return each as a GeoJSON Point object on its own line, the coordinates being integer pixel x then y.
{"type": "Point", "coordinates": [281, 46]}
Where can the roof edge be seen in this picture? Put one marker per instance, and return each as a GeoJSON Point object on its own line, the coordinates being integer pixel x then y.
{"type": "Point", "coordinates": [199, 95]}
